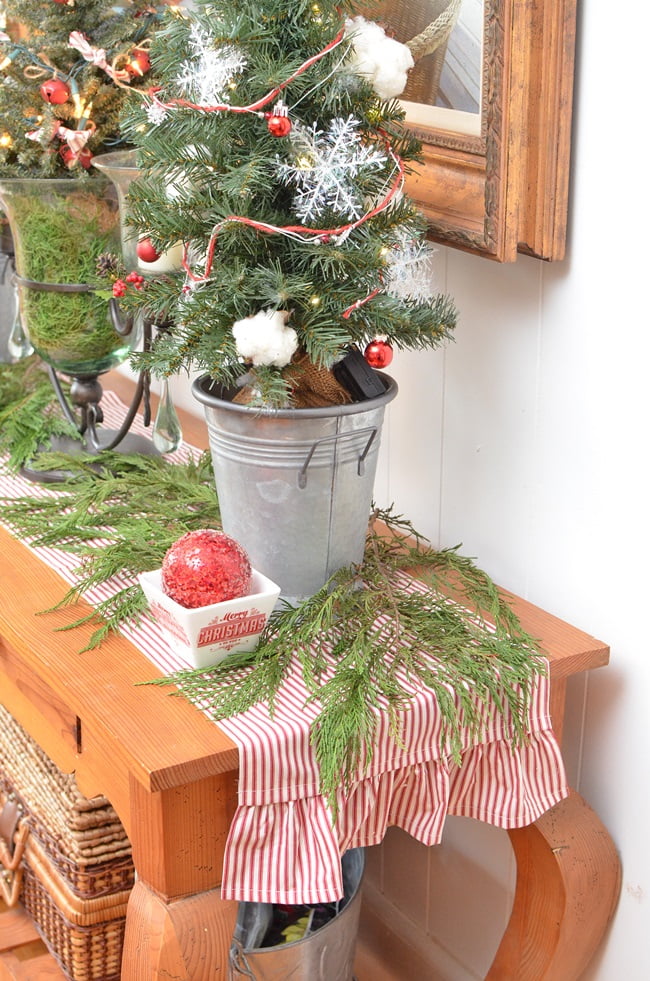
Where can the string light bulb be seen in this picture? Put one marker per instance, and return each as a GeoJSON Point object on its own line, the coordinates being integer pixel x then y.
{"type": "Point", "coordinates": [78, 104]}
{"type": "Point", "coordinates": [5, 141]}
{"type": "Point", "coordinates": [84, 117]}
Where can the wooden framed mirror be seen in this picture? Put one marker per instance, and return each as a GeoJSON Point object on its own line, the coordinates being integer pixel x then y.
{"type": "Point", "coordinates": [490, 97]}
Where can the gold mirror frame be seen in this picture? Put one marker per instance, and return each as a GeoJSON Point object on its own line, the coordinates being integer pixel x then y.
{"type": "Point", "coordinates": [506, 190]}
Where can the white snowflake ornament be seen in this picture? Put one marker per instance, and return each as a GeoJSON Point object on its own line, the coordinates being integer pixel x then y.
{"type": "Point", "coordinates": [384, 61]}
{"type": "Point", "coordinates": [409, 270]}
{"type": "Point", "coordinates": [156, 112]}
{"type": "Point", "coordinates": [265, 339]}
{"type": "Point", "coordinates": [324, 166]}
{"type": "Point", "coordinates": [207, 75]}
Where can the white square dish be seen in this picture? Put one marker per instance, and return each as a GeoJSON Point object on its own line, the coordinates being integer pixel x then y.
{"type": "Point", "coordinates": [206, 635]}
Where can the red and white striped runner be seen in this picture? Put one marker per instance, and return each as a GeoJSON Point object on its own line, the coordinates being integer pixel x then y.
{"type": "Point", "coordinates": [283, 846]}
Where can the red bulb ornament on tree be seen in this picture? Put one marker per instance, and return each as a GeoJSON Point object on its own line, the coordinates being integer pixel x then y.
{"type": "Point", "coordinates": [140, 62]}
{"type": "Point", "coordinates": [55, 92]}
{"type": "Point", "coordinates": [278, 121]}
{"type": "Point", "coordinates": [378, 354]}
{"type": "Point", "coordinates": [145, 251]}
{"type": "Point", "coordinates": [70, 158]}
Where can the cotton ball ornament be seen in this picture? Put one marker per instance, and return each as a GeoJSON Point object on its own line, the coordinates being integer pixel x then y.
{"type": "Point", "coordinates": [384, 61]}
{"type": "Point", "coordinates": [265, 339]}
{"type": "Point", "coordinates": [205, 567]}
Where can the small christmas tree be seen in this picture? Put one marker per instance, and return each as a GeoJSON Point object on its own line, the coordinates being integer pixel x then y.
{"type": "Point", "coordinates": [65, 68]}
{"type": "Point", "coordinates": [273, 150]}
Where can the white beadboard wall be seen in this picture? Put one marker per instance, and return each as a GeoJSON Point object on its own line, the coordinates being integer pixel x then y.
{"type": "Point", "coordinates": [527, 440]}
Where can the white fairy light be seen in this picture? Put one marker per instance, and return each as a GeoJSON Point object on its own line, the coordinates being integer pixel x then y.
{"type": "Point", "coordinates": [324, 167]}
{"type": "Point", "coordinates": [207, 76]}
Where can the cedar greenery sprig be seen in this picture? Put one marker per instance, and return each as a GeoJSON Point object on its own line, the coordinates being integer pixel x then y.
{"type": "Point", "coordinates": [137, 505]}
{"type": "Point", "coordinates": [29, 412]}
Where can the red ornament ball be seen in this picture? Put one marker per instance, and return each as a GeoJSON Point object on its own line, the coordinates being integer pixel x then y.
{"type": "Point", "coordinates": [55, 92]}
{"type": "Point", "coordinates": [279, 125]}
{"type": "Point", "coordinates": [70, 158]}
{"type": "Point", "coordinates": [205, 567]}
{"type": "Point", "coordinates": [140, 62]}
{"type": "Point", "coordinates": [85, 158]}
{"type": "Point", "coordinates": [145, 251]}
{"type": "Point", "coordinates": [378, 354]}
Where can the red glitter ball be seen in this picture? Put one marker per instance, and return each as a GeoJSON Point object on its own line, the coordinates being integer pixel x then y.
{"type": "Point", "coordinates": [205, 567]}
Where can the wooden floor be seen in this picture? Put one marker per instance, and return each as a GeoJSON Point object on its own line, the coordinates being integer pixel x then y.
{"type": "Point", "coordinates": [23, 955]}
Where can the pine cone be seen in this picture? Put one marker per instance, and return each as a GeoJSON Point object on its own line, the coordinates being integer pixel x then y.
{"type": "Point", "coordinates": [107, 264]}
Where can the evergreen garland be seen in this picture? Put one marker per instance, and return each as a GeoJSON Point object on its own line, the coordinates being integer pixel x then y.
{"type": "Point", "coordinates": [137, 505]}
{"type": "Point", "coordinates": [477, 659]}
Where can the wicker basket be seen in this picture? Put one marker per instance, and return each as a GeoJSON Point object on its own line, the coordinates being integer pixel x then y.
{"type": "Point", "coordinates": [73, 868]}
{"type": "Point", "coordinates": [425, 26]}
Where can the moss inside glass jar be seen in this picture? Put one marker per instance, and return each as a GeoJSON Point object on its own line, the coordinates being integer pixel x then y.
{"type": "Point", "coordinates": [60, 228]}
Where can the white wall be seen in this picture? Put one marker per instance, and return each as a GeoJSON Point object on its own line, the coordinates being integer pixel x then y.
{"type": "Point", "coordinates": [527, 441]}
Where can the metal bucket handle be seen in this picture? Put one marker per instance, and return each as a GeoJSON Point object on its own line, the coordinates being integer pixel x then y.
{"type": "Point", "coordinates": [302, 475]}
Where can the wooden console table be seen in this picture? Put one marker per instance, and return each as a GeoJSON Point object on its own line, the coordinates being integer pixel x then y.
{"type": "Point", "coordinates": [171, 775]}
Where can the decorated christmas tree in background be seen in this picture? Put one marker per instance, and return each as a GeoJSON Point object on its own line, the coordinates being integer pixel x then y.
{"type": "Point", "coordinates": [65, 69]}
{"type": "Point", "coordinates": [272, 148]}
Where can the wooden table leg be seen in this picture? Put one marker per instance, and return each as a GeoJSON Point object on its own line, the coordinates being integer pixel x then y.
{"type": "Point", "coordinates": [187, 939]}
{"type": "Point", "coordinates": [568, 884]}
{"type": "Point", "coordinates": [177, 925]}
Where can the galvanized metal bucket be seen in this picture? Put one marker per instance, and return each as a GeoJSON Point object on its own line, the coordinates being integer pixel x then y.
{"type": "Point", "coordinates": [295, 485]}
{"type": "Point", "coordinates": [325, 955]}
